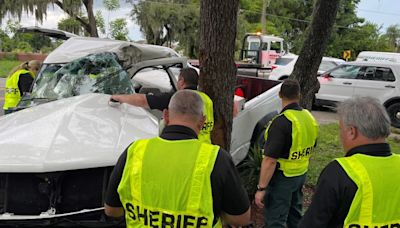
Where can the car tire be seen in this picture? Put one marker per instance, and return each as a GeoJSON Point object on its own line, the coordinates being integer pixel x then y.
{"type": "Point", "coordinates": [315, 105]}
{"type": "Point", "coordinates": [394, 114]}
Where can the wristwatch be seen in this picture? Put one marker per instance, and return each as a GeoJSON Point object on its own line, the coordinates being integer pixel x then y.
{"type": "Point", "coordinates": [260, 189]}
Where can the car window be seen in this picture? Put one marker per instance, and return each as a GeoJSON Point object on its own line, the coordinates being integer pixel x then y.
{"type": "Point", "coordinates": [153, 79]}
{"type": "Point", "coordinates": [345, 71]}
{"type": "Point", "coordinates": [275, 46]}
{"type": "Point", "coordinates": [384, 74]}
{"type": "Point", "coordinates": [283, 61]}
{"type": "Point", "coordinates": [376, 74]}
{"type": "Point", "coordinates": [96, 73]}
{"type": "Point", "coordinates": [326, 65]}
{"type": "Point", "coordinates": [254, 45]}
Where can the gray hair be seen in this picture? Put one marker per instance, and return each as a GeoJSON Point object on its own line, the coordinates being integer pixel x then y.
{"type": "Point", "coordinates": [367, 115]}
{"type": "Point", "coordinates": [186, 102]}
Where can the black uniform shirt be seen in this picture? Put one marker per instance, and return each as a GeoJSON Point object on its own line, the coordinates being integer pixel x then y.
{"type": "Point", "coordinates": [160, 101]}
{"type": "Point", "coordinates": [24, 83]}
{"type": "Point", "coordinates": [279, 138]}
{"type": "Point", "coordinates": [335, 191]}
{"type": "Point", "coordinates": [227, 190]}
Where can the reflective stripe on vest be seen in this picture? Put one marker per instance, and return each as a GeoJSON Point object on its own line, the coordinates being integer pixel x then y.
{"type": "Point", "coordinates": [304, 136]}
{"type": "Point", "coordinates": [12, 95]}
{"type": "Point", "coordinates": [208, 110]}
{"type": "Point", "coordinates": [167, 183]}
{"type": "Point", "coordinates": [377, 200]}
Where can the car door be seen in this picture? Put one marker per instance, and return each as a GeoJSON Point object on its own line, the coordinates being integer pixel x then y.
{"type": "Point", "coordinates": [338, 84]}
{"type": "Point", "coordinates": [377, 81]}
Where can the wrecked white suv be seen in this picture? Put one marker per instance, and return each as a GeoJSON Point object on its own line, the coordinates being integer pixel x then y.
{"type": "Point", "coordinates": [57, 152]}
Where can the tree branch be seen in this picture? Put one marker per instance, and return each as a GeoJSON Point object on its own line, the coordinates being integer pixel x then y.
{"type": "Point", "coordinates": [83, 22]}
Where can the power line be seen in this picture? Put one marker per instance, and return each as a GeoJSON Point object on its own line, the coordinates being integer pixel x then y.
{"type": "Point", "coordinates": [295, 19]}
{"type": "Point", "coordinates": [380, 12]}
{"type": "Point", "coordinates": [254, 12]}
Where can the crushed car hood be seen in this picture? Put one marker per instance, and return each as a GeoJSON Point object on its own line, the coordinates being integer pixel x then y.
{"type": "Point", "coordinates": [74, 133]}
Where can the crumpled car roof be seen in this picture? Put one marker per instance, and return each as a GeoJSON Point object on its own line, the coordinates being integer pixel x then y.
{"type": "Point", "coordinates": [128, 52]}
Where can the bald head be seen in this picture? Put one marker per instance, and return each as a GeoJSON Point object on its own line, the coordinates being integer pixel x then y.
{"type": "Point", "coordinates": [185, 109]}
{"type": "Point", "coordinates": [186, 104]}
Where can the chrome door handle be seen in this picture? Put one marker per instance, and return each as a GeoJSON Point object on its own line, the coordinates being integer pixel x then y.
{"type": "Point", "coordinates": [390, 86]}
{"type": "Point", "coordinates": [347, 83]}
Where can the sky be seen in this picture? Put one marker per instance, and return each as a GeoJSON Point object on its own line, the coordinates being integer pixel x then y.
{"type": "Point", "coordinates": [381, 12]}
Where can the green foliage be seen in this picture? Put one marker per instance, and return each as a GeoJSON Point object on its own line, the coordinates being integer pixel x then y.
{"type": "Point", "coordinates": [111, 5]}
{"type": "Point", "coordinates": [71, 25]}
{"type": "Point", "coordinates": [23, 47]}
{"type": "Point", "coordinates": [100, 22]}
{"type": "Point", "coordinates": [393, 37]}
{"type": "Point", "coordinates": [11, 40]}
{"type": "Point", "coordinates": [7, 66]}
{"type": "Point", "coordinates": [164, 21]}
{"type": "Point", "coordinates": [329, 147]}
{"type": "Point", "coordinates": [249, 170]}
{"type": "Point", "coordinates": [364, 37]}
{"type": "Point", "coordinates": [118, 29]}
{"type": "Point", "coordinates": [12, 27]}
{"type": "Point", "coordinates": [11, 56]}
{"type": "Point", "coordinates": [290, 18]}
{"type": "Point", "coordinates": [39, 8]}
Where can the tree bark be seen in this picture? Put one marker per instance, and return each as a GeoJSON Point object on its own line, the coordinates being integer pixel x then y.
{"type": "Point", "coordinates": [314, 46]}
{"type": "Point", "coordinates": [217, 66]}
{"type": "Point", "coordinates": [92, 20]}
{"type": "Point", "coordinates": [90, 27]}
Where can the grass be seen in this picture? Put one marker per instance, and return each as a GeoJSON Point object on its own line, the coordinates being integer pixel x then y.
{"type": "Point", "coordinates": [6, 66]}
{"type": "Point", "coordinates": [329, 148]}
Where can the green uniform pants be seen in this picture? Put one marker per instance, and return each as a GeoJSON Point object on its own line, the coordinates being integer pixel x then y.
{"type": "Point", "coordinates": [283, 201]}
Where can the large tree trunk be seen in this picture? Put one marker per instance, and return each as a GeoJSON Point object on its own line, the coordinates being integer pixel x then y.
{"type": "Point", "coordinates": [217, 65]}
{"type": "Point", "coordinates": [318, 32]}
{"type": "Point", "coordinates": [92, 20]}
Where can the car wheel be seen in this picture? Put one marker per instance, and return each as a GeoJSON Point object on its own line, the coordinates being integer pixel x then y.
{"type": "Point", "coordinates": [394, 114]}
{"type": "Point", "coordinates": [315, 105]}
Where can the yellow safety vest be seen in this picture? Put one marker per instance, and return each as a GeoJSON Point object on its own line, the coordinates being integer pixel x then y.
{"type": "Point", "coordinates": [208, 110]}
{"type": "Point", "coordinates": [377, 200]}
{"type": "Point", "coordinates": [12, 95]}
{"type": "Point", "coordinates": [304, 136]}
{"type": "Point", "coordinates": [167, 183]}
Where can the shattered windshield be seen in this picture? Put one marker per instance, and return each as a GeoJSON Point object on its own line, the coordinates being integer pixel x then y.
{"type": "Point", "coordinates": [96, 73]}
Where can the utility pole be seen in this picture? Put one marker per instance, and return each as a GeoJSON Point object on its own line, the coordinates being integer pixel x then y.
{"type": "Point", "coordinates": [264, 16]}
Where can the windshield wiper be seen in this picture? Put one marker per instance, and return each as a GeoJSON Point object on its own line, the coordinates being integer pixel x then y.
{"type": "Point", "coordinates": [38, 98]}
